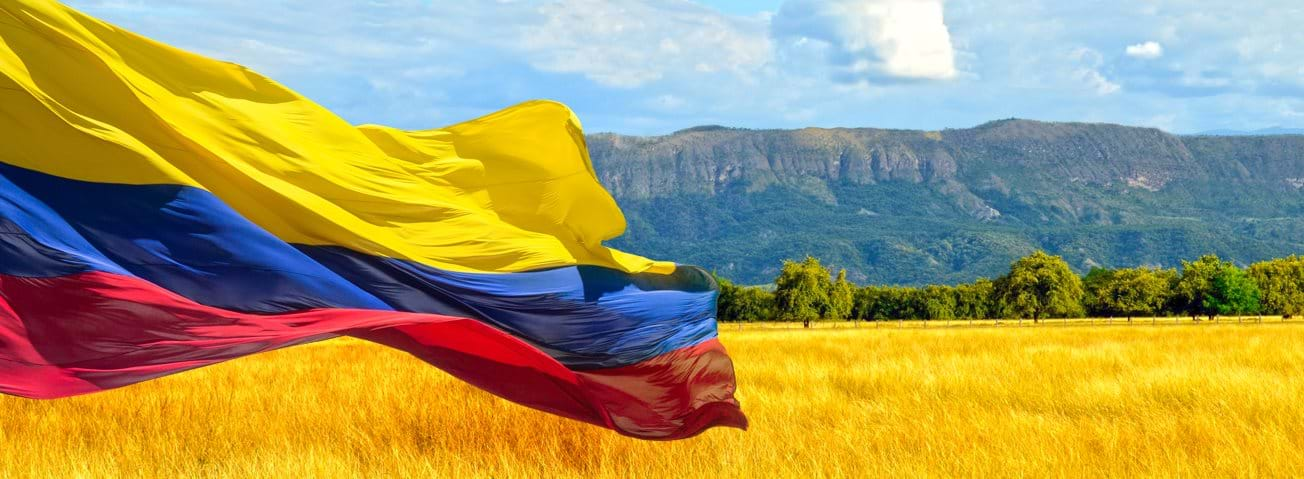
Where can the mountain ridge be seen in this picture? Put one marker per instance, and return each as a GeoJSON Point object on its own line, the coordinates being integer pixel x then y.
{"type": "Point", "coordinates": [1272, 131]}
{"type": "Point", "coordinates": [1101, 194]}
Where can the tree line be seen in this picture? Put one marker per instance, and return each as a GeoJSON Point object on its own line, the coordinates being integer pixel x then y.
{"type": "Point", "coordinates": [1037, 287]}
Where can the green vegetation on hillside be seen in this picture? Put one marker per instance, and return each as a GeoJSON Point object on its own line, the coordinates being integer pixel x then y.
{"type": "Point", "coordinates": [915, 208]}
{"type": "Point", "coordinates": [894, 233]}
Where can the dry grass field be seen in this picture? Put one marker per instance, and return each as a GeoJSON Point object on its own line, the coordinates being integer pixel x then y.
{"type": "Point", "coordinates": [1079, 400]}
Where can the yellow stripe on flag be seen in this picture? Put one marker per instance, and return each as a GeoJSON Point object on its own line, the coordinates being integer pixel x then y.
{"type": "Point", "coordinates": [512, 191]}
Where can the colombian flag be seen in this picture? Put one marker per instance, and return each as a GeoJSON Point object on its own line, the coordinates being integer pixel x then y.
{"type": "Point", "coordinates": [162, 211]}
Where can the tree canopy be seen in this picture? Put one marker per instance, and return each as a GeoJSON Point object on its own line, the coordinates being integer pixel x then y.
{"type": "Point", "coordinates": [1195, 286]}
{"type": "Point", "coordinates": [1281, 284]}
{"type": "Point", "coordinates": [1128, 292]}
{"type": "Point", "coordinates": [1233, 292]}
{"type": "Point", "coordinates": [1040, 286]}
{"type": "Point", "coordinates": [841, 298]}
{"type": "Point", "coordinates": [739, 303]}
{"type": "Point", "coordinates": [801, 292]}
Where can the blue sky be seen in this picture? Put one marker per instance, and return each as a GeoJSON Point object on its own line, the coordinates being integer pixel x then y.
{"type": "Point", "coordinates": [743, 7]}
{"type": "Point", "coordinates": [655, 66]}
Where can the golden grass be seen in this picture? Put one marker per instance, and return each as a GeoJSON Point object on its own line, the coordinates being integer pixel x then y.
{"type": "Point", "coordinates": [1191, 401]}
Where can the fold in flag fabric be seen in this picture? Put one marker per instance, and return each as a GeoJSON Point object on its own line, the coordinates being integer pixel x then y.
{"type": "Point", "coordinates": [162, 211]}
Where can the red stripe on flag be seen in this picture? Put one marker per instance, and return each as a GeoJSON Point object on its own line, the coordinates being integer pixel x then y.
{"type": "Point", "coordinates": [88, 332]}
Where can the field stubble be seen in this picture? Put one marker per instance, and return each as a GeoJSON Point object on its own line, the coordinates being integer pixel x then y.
{"type": "Point", "coordinates": [1195, 401]}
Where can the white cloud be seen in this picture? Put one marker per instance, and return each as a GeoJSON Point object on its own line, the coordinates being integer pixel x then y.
{"type": "Point", "coordinates": [876, 39]}
{"type": "Point", "coordinates": [654, 66]}
{"type": "Point", "coordinates": [628, 43]}
{"type": "Point", "coordinates": [1097, 82]}
{"type": "Point", "coordinates": [1089, 72]}
{"type": "Point", "coordinates": [1146, 51]}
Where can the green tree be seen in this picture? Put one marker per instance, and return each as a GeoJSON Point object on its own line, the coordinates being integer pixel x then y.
{"type": "Point", "coordinates": [938, 302]}
{"type": "Point", "coordinates": [1039, 286]}
{"type": "Point", "coordinates": [1195, 286]}
{"type": "Point", "coordinates": [974, 300]}
{"type": "Point", "coordinates": [726, 300]}
{"type": "Point", "coordinates": [870, 303]}
{"type": "Point", "coordinates": [841, 298]}
{"type": "Point", "coordinates": [907, 303]}
{"type": "Point", "coordinates": [1095, 289]}
{"type": "Point", "coordinates": [757, 303]}
{"type": "Point", "coordinates": [740, 303]}
{"type": "Point", "coordinates": [1233, 292]}
{"type": "Point", "coordinates": [1128, 291]}
{"type": "Point", "coordinates": [801, 291]}
{"type": "Point", "coordinates": [1281, 282]}
{"type": "Point", "coordinates": [876, 303]}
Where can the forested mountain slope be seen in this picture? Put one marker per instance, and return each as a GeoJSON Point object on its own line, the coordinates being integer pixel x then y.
{"type": "Point", "coordinates": [917, 207]}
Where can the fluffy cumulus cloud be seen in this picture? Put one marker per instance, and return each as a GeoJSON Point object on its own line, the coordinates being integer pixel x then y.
{"type": "Point", "coordinates": [654, 66]}
{"type": "Point", "coordinates": [872, 39]}
{"type": "Point", "coordinates": [1146, 51]}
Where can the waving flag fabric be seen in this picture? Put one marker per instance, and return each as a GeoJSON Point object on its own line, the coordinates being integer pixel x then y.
{"type": "Point", "coordinates": [161, 211]}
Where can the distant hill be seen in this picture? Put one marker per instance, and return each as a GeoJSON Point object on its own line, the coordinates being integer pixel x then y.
{"type": "Point", "coordinates": [918, 207]}
{"type": "Point", "coordinates": [1264, 132]}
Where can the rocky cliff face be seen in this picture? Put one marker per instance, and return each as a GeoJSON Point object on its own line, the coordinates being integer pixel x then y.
{"type": "Point", "coordinates": [1275, 161]}
{"type": "Point", "coordinates": [709, 160]}
{"type": "Point", "coordinates": [1015, 177]}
